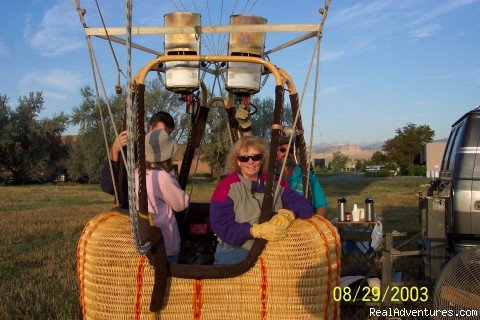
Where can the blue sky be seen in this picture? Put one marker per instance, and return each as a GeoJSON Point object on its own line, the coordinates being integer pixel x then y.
{"type": "Point", "coordinates": [384, 63]}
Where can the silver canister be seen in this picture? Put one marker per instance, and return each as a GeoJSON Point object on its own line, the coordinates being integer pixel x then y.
{"type": "Point", "coordinates": [369, 209]}
{"type": "Point", "coordinates": [341, 208]}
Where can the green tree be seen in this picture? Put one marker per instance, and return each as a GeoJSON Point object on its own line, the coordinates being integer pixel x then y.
{"type": "Point", "coordinates": [159, 99]}
{"type": "Point", "coordinates": [90, 151]}
{"type": "Point", "coordinates": [339, 161]}
{"type": "Point", "coordinates": [216, 141]}
{"type": "Point", "coordinates": [378, 158]}
{"type": "Point", "coordinates": [359, 164]}
{"type": "Point", "coordinates": [407, 143]}
{"type": "Point", "coordinates": [263, 118]}
{"type": "Point", "coordinates": [5, 134]}
{"type": "Point", "coordinates": [30, 146]}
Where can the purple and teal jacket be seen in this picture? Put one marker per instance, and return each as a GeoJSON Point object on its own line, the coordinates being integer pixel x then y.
{"type": "Point", "coordinates": [236, 206]}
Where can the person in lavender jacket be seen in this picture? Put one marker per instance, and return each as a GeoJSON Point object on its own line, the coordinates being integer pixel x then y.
{"type": "Point", "coordinates": [163, 191]}
{"type": "Point", "coordinates": [237, 200]}
{"type": "Point", "coordinates": [159, 120]}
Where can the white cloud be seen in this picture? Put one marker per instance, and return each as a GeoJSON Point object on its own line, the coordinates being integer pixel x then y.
{"type": "Point", "coordinates": [333, 55]}
{"type": "Point", "coordinates": [3, 50]}
{"type": "Point", "coordinates": [422, 103]}
{"type": "Point", "coordinates": [378, 20]}
{"type": "Point", "coordinates": [56, 83]}
{"type": "Point", "coordinates": [354, 47]}
{"type": "Point", "coordinates": [469, 74]}
{"type": "Point", "coordinates": [54, 95]}
{"type": "Point", "coordinates": [476, 76]}
{"type": "Point", "coordinates": [425, 31]}
{"type": "Point", "coordinates": [360, 11]}
{"type": "Point", "coordinates": [441, 76]}
{"type": "Point", "coordinates": [333, 89]}
{"type": "Point", "coordinates": [404, 118]}
{"type": "Point", "coordinates": [447, 7]}
{"type": "Point", "coordinates": [27, 29]}
{"type": "Point", "coordinates": [58, 32]}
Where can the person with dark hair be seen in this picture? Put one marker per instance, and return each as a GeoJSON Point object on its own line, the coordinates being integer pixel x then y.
{"type": "Point", "coordinates": [160, 120]}
{"type": "Point", "coordinates": [236, 203]}
{"type": "Point", "coordinates": [163, 191]}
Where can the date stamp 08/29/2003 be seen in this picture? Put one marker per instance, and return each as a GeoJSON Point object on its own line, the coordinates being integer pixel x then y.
{"type": "Point", "coordinates": [376, 294]}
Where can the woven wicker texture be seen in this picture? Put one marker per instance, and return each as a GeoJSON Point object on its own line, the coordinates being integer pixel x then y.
{"type": "Point", "coordinates": [292, 279]}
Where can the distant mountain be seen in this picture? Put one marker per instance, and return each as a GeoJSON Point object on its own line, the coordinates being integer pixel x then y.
{"type": "Point", "coordinates": [374, 145]}
{"type": "Point", "coordinates": [377, 146]}
{"type": "Point", "coordinates": [353, 151]}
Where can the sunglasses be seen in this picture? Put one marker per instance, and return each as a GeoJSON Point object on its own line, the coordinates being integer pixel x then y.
{"type": "Point", "coordinates": [283, 150]}
{"type": "Point", "coordinates": [254, 157]}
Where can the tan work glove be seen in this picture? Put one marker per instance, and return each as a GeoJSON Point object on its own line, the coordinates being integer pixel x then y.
{"type": "Point", "coordinates": [283, 218]}
{"type": "Point", "coordinates": [268, 231]}
{"type": "Point", "coordinates": [243, 117]}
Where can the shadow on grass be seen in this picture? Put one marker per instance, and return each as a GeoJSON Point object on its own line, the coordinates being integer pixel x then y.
{"type": "Point", "coordinates": [401, 218]}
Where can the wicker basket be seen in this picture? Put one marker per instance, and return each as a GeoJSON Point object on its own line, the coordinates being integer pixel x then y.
{"type": "Point", "coordinates": [292, 279]}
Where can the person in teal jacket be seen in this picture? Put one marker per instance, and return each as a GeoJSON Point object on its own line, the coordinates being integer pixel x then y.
{"type": "Point", "coordinates": [293, 175]}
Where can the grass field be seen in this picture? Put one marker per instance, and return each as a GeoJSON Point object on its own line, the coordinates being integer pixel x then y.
{"type": "Point", "coordinates": [41, 224]}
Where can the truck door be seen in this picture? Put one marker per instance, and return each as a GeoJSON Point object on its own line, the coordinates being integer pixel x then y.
{"type": "Point", "coordinates": [460, 165]}
{"type": "Point", "coordinates": [475, 200]}
{"type": "Point", "coordinates": [465, 148]}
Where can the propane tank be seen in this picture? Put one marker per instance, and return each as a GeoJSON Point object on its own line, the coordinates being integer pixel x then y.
{"type": "Point", "coordinates": [243, 78]}
{"type": "Point", "coordinates": [182, 76]}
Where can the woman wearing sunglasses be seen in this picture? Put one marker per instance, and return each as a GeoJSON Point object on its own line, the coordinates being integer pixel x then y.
{"type": "Point", "coordinates": [236, 203]}
{"type": "Point", "coordinates": [292, 172]}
